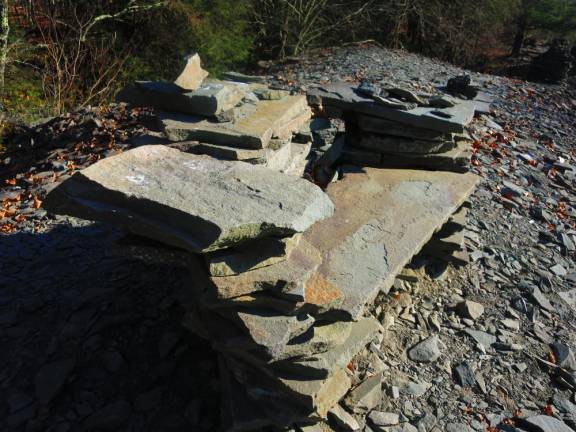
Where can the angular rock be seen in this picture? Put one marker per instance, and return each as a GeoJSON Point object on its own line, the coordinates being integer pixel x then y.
{"type": "Point", "coordinates": [483, 338]}
{"type": "Point", "coordinates": [383, 419]}
{"type": "Point", "coordinates": [470, 309]}
{"type": "Point", "coordinates": [564, 356]}
{"type": "Point", "coordinates": [464, 375]}
{"type": "Point", "coordinates": [386, 127]}
{"type": "Point", "coordinates": [240, 77]}
{"type": "Point", "coordinates": [426, 351]}
{"type": "Point", "coordinates": [456, 160]}
{"type": "Point", "coordinates": [192, 76]}
{"type": "Point", "coordinates": [270, 118]}
{"type": "Point", "coordinates": [320, 339]}
{"type": "Point", "coordinates": [314, 396]}
{"type": "Point", "coordinates": [287, 278]}
{"type": "Point", "coordinates": [251, 256]}
{"type": "Point", "coordinates": [324, 364]}
{"type": "Point", "coordinates": [366, 396]}
{"type": "Point", "coordinates": [541, 299]}
{"type": "Point", "coordinates": [270, 331]}
{"type": "Point", "coordinates": [209, 100]}
{"type": "Point", "coordinates": [344, 420]}
{"type": "Point", "coordinates": [370, 238]}
{"type": "Point", "coordinates": [190, 201]}
{"type": "Point", "coordinates": [252, 156]}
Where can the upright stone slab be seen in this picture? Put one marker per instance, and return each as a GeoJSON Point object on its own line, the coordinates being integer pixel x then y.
{"type": "Point", "coordinates": [194, 202]}
{"type": "Point", "coordinates": [192, 75]}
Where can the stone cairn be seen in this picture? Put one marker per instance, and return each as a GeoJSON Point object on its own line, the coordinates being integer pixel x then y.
{"type": "Point", "coordinates": [282, 274]}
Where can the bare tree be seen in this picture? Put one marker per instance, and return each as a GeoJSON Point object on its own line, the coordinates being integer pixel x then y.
{"type": "Point", "coordinates": [82, 64]}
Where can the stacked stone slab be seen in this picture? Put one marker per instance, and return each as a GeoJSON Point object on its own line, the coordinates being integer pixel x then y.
{"type": "Point", "coordinates": [235, 119]}
{"type": "Point", "coordinates": [447, 244]}
{"type": "Point", "coordinates": [404, 131]}
{"type": "Point", "coordinates": [281, 273]}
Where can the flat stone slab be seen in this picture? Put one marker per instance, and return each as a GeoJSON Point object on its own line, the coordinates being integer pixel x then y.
{"type": "Point", "coordinates": [287, 278]}
{"type": "Point", "coordinates": [208, 100]}
{"type": "Point", "coordinates": [381, 126]}
{"type": "Point", "coordinates": [270, 118]}
{"type": "Point", "coordinates": [194, 202]}
{"type": "Point", "coordinates": [383, 218]}
{"type": "Point", "coordinates": [455, 160]}
{"type": "Point", "coordinates": [391, 144]}
{"type": "Point", "coordinates": [250, 256]}
{"type": "Point", "coordinates": [222, 152]}
{"type": "Point", "coordinates": [342, 96]}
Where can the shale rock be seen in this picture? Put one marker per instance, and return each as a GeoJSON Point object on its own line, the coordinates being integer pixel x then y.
{"type": "Point", "coordinates": [192, 76]}
{"type": "Point", "coordinates": [190, 201]}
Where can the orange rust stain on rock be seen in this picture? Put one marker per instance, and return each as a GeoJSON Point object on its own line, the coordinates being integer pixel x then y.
{"type": "Point", "coordinates": [320, 292]}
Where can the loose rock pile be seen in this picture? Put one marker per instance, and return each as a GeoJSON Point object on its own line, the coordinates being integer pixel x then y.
{"type": "Point", "coordinates": [282, 274]}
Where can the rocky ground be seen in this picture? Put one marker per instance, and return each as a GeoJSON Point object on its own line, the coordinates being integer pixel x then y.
{"type": "Point", "coordinates": [92, 340]}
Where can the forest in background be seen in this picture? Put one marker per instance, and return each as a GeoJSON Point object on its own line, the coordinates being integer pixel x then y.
{"type": "Point", "coordinates": [56, 55]}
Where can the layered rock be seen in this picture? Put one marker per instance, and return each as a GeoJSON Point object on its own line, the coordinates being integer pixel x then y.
{"type": "Point", "coordinates": [281, 274]}
{"type": "Point", "coordinates": [194, 202]}
{"type": "Point", "coordinates": [408, 131]}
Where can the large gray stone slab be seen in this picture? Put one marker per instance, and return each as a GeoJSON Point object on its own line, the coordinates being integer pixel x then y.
{"type": "Point", "coordinates": [455, 160]}
{"type": "Point", "coordinates": [270, 118]}
{"type": "Point", "coordinates": [194, 202]}
{"type": "Point", "coordinates": [391, 144]}
{"type": "Point", "coordinates": [342, 96]}
{"type": "Point", "coordinates": [209, 100]}
{"type": "Point", "coordinates": [386, 127]}
{"type": "Point", "coordinates": [383, 218]}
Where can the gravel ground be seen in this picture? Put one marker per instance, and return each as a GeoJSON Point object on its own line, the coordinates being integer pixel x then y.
{"type": "Point", "coordinates": [91, 340]}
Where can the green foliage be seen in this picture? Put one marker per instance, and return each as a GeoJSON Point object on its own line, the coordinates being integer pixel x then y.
{"type": "Point", "coordinates": [216, 29]}
{"type": "Point", "coordinates": [555, 17]}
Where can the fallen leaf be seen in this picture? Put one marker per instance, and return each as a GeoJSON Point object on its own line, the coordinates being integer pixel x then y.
{"type": "Point", "coordinates": [37, 203]}
{"type": "Point", "coordinates": [547, 410]}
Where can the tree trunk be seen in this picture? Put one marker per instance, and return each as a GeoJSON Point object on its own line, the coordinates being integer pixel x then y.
{"type": "Point", "coordinates": [4, 31]}
{"type": "Point", "coordinates": [520, 35]}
